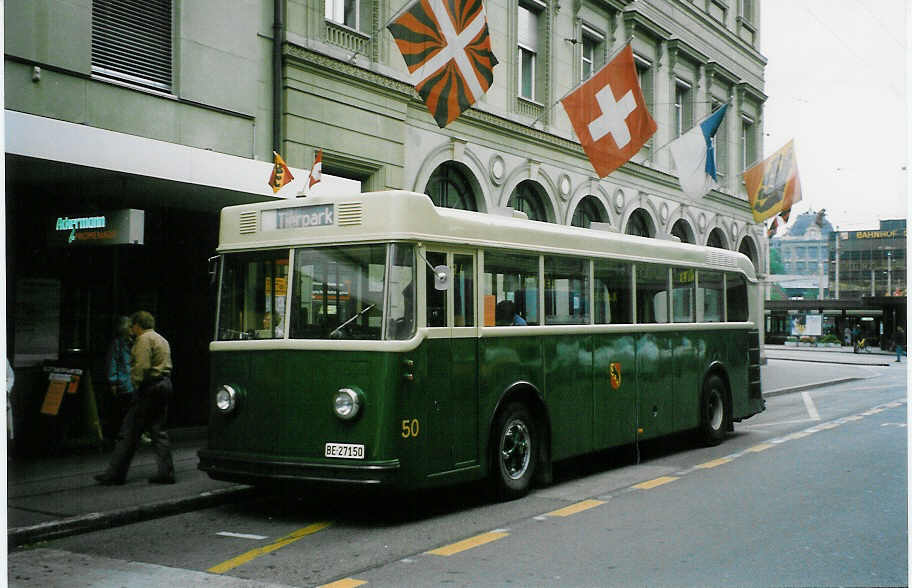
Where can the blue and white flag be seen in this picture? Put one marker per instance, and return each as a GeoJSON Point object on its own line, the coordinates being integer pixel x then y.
{"type": "Point", "coordinates": [695, 156]}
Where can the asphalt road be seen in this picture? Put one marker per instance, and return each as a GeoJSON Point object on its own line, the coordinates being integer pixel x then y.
{"type": "Point", "coordinates": [811, 492]}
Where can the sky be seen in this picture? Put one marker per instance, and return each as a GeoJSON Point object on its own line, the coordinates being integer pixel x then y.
{"type": "Point", "coordinates": [836, 84]}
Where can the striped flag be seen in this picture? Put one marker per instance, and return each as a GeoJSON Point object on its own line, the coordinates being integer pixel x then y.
{"type": "Point", "coordinates": [281, 175]}
{"type": "Point", "coordinates": [447, 50]}
{"type": "Point", "coordinates": [316, 172]}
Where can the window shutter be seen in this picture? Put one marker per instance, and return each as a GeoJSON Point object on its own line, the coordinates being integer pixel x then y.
{"type": "Point", "coordinates": [131, 40]}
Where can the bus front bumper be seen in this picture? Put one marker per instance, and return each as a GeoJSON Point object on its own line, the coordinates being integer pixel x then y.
{"type": "Point", "coordinates": [247, 469]}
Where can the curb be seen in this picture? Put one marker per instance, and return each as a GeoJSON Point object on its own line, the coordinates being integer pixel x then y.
{"type": "Point", "coordinates": [885, 364]}
{"type": "Point", "coordinates": [803, 387]}
{"type": "Point", "coordinates": [102, 520]}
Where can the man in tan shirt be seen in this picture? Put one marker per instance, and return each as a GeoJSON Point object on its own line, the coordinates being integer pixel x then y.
{"type": "Point", "coordinates": [150, 370]}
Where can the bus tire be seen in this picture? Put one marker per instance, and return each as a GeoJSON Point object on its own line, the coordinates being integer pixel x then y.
{"type": "Point", "coordinates": [715, 414]}
{"type": "Point", "coordinates": [514, 449]}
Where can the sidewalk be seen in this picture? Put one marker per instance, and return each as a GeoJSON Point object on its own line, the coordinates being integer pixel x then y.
{"type": "Point", "coordinates": [57, 496]}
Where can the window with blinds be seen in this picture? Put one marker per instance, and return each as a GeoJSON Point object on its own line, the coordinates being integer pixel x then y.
{"type": "Point", "coordinates": [132, 41]}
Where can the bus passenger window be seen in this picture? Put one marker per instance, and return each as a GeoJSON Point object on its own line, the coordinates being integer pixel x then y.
{"type": "Point", "coordinates": [682, 300]}
{"type": "Point", "coordinates": [566, 291]}
{"type": "Point", "coordinates": [513, 277]}
{"type": "Point", "coordinates": [709, 287]}
{"type": "Point", "coordinates": [436, 302]}
{"type": "Point", "coordinates": [651, 293]}
{"type": "Point", "coordinates": [613, 291]}
{"type": "Point", "coordinates": [736, 297]}
{"type": "Point", "coordinates": [464, 291]}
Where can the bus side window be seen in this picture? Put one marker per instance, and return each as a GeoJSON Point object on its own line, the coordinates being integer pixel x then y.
{"type": "Point", "coordinates": [464, 291]}
{"type": "Point", "coordinates": [512, 277]}
{"type": "Point", "coordinates": [651, 293]}
{"type": "Point", "coordinates": [710, 288]}
{"type": "Point", "coordinates": [613, 290]}
{"type": "Point", "coordinates": [566, 291]}
{"type": "Point", "coordinates": [435, 299]}
{"type": "Point", "coordinates": [736, 297]}
{"type": "Point", "coordinates": [682, 283]}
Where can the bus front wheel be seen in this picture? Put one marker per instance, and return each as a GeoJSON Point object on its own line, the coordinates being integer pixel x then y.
{"type": "Point", "coordinates": [514, 451]}
{"type": "Point", "coordinates": [714, 411]}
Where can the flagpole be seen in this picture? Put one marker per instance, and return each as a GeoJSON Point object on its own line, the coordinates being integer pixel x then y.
{"type": "Point", "coordinates": [576, 87]}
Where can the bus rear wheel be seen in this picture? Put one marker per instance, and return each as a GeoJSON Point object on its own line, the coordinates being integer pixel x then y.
{"type": "Point", "coordinates": [714, 411]}
{"type": "Point", "coordinates": [514, 450]}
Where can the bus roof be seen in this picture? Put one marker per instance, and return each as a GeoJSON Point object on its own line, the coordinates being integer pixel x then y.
{"type": "Point", "coordinates": [395, 215]}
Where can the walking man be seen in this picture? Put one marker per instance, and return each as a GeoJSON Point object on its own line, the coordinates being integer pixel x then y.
{"type": "Point", "coordinates": [899, 339]}
{"type": "Point", "coordinates": [150, 372]}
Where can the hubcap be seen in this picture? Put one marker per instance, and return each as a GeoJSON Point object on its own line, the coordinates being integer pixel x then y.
{"type": "Point", "coordinates": [716, 411]}
{"type": "Point", "coordinates": [515, 449]}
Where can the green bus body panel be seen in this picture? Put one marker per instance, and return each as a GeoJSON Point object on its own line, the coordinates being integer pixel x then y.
{"type": "Point", "coordinates": [429, 411]}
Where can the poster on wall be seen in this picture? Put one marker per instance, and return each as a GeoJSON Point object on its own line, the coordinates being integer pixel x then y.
{"type": "Point", "coordinates": [810, 325]}
{"type": "Point", "coordinates": [37, 321]}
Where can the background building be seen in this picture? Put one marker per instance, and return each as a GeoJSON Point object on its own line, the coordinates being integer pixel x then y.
{"type": "Point", "coordinates": [172, 109]}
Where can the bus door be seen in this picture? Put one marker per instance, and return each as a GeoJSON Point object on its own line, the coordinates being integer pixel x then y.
{"type": "Point", "coordinates": [452, 363]}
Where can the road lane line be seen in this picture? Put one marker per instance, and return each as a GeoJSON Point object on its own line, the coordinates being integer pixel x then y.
{"type": "Point", "coordinates": [575, 508]}
{"type": "Point", "coordinates": [714, 463]}
{"type": "Point", "coordinates": [649, 485]}
{"type": "Point", "coordinates": [278, 544]}
{"type": "Point", "coordinates": [345, 583]}
{"type": "Point", "coordinates": [241, 535]}
{"type": "Point", "coordinates": [760, 447]}
{"type": "Point", "coordinates": [471, 542]}
{"type": "Point", "coordinates": [809, 405]}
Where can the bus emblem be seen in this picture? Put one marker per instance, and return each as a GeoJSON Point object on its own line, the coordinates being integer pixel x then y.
{"type": "Point", "coordinates": [614, 372]}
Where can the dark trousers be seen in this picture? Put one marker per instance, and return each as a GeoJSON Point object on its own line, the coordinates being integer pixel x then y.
{"type": "Point", "coordinates": [148, 413]}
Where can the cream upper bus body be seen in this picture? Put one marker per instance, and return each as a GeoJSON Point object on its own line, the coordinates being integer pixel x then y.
{"type": "Point", "coordinates": [408, 216]}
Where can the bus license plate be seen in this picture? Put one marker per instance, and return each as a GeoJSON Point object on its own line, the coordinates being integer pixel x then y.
{"type": "Point", "coordinates": [344, 450]}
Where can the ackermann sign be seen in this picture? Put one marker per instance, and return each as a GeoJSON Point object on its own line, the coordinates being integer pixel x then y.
{"type": "Point", "coordinates": [118, 227]}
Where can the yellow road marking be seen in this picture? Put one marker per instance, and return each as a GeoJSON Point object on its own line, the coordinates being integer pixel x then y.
{"type": "Point", "coordinates": [465, 544]}
{"type": "Point", "coordinates": [575, 508]}
{"type": "Point", "coordinates": [800, 434]}
{"type": "Point", "coordinates": [656, 482]}
{"type": "Point", "coordinates": [345, 583]}
{"type": "Point", "coordinates": [714, 463]}
{"type": "Point", "coordinates": [873, 411]}
{"type": "Point", "coordinates": [278, 544]}
{"type": "Point", "coordinates": [760, 447]}
{"type": "Point", "coordinates": [853, 418]}
{"type": "Point", "coordinates": [826, 426]}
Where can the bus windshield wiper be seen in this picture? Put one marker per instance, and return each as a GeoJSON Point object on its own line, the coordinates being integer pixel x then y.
{"type": "Point", "coordinates": [343, 325]}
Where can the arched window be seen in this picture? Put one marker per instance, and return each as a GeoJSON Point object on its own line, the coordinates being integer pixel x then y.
{"type": "Point", "coordinates": [526, 198]}
{"type": "Point", "coordinates": [749, 249]}
{"type": "Point", "coordinates": [681, 229]}
{"type": "Point", "coordinates": [449, 188]}
{"type": "Point", "coordinates": [640, 224]}
{"type": "Point", "coordinates": [716, 239]}
{"type": "Point", "coordinates": [588, 211]}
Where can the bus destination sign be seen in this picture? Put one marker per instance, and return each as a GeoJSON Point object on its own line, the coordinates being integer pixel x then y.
{"type": "Point", "coordinates": [299, 217]}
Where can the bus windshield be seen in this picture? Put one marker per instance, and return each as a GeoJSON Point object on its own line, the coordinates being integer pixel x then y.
{"type": "Point", "coordinates": [336, 293]}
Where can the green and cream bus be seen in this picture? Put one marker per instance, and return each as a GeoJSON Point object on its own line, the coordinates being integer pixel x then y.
{"type": "Point", "coordinates": [378, 339]}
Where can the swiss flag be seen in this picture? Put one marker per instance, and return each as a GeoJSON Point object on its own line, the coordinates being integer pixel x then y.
{"type": "Point", "coordinates": [609, 114]}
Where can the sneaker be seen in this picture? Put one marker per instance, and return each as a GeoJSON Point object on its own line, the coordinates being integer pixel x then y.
{"type": "Point", "coordinates": [109, 480]}
{"type": "Point", "coordinates": [162, 480]}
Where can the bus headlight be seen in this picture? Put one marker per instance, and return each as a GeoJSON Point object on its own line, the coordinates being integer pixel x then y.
{"type": "Point", "coordinates": [347, 403]}
{"type": "Point", "coordinates": [226, 399]}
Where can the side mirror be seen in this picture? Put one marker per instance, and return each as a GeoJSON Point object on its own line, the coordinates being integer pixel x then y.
{"type": "Point", "coordinates": [441, 277]}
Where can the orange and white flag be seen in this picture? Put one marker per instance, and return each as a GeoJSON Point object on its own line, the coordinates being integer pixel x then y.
{"type": "Point", "coordinates": [773, 185]}
{"type": "Point", "coordinates": [281, 175]}
{"type": "Point", "coordinates": [316, 172]}
{"type": "Point", "coordinates": [609, 114]}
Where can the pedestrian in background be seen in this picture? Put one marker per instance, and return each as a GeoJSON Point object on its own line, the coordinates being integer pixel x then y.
{"type": "Point", "coordinates": [150, 372]}
{"type": "Point", "coordinates": [899, 340]}
{"type": "Point", "coordinates": [117, 364]}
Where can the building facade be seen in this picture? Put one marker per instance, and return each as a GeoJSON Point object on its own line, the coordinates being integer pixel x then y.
{"type": "Point", "coordinates": [870, 262]}
{"type": "Point", "coordinates": [163, 111]}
